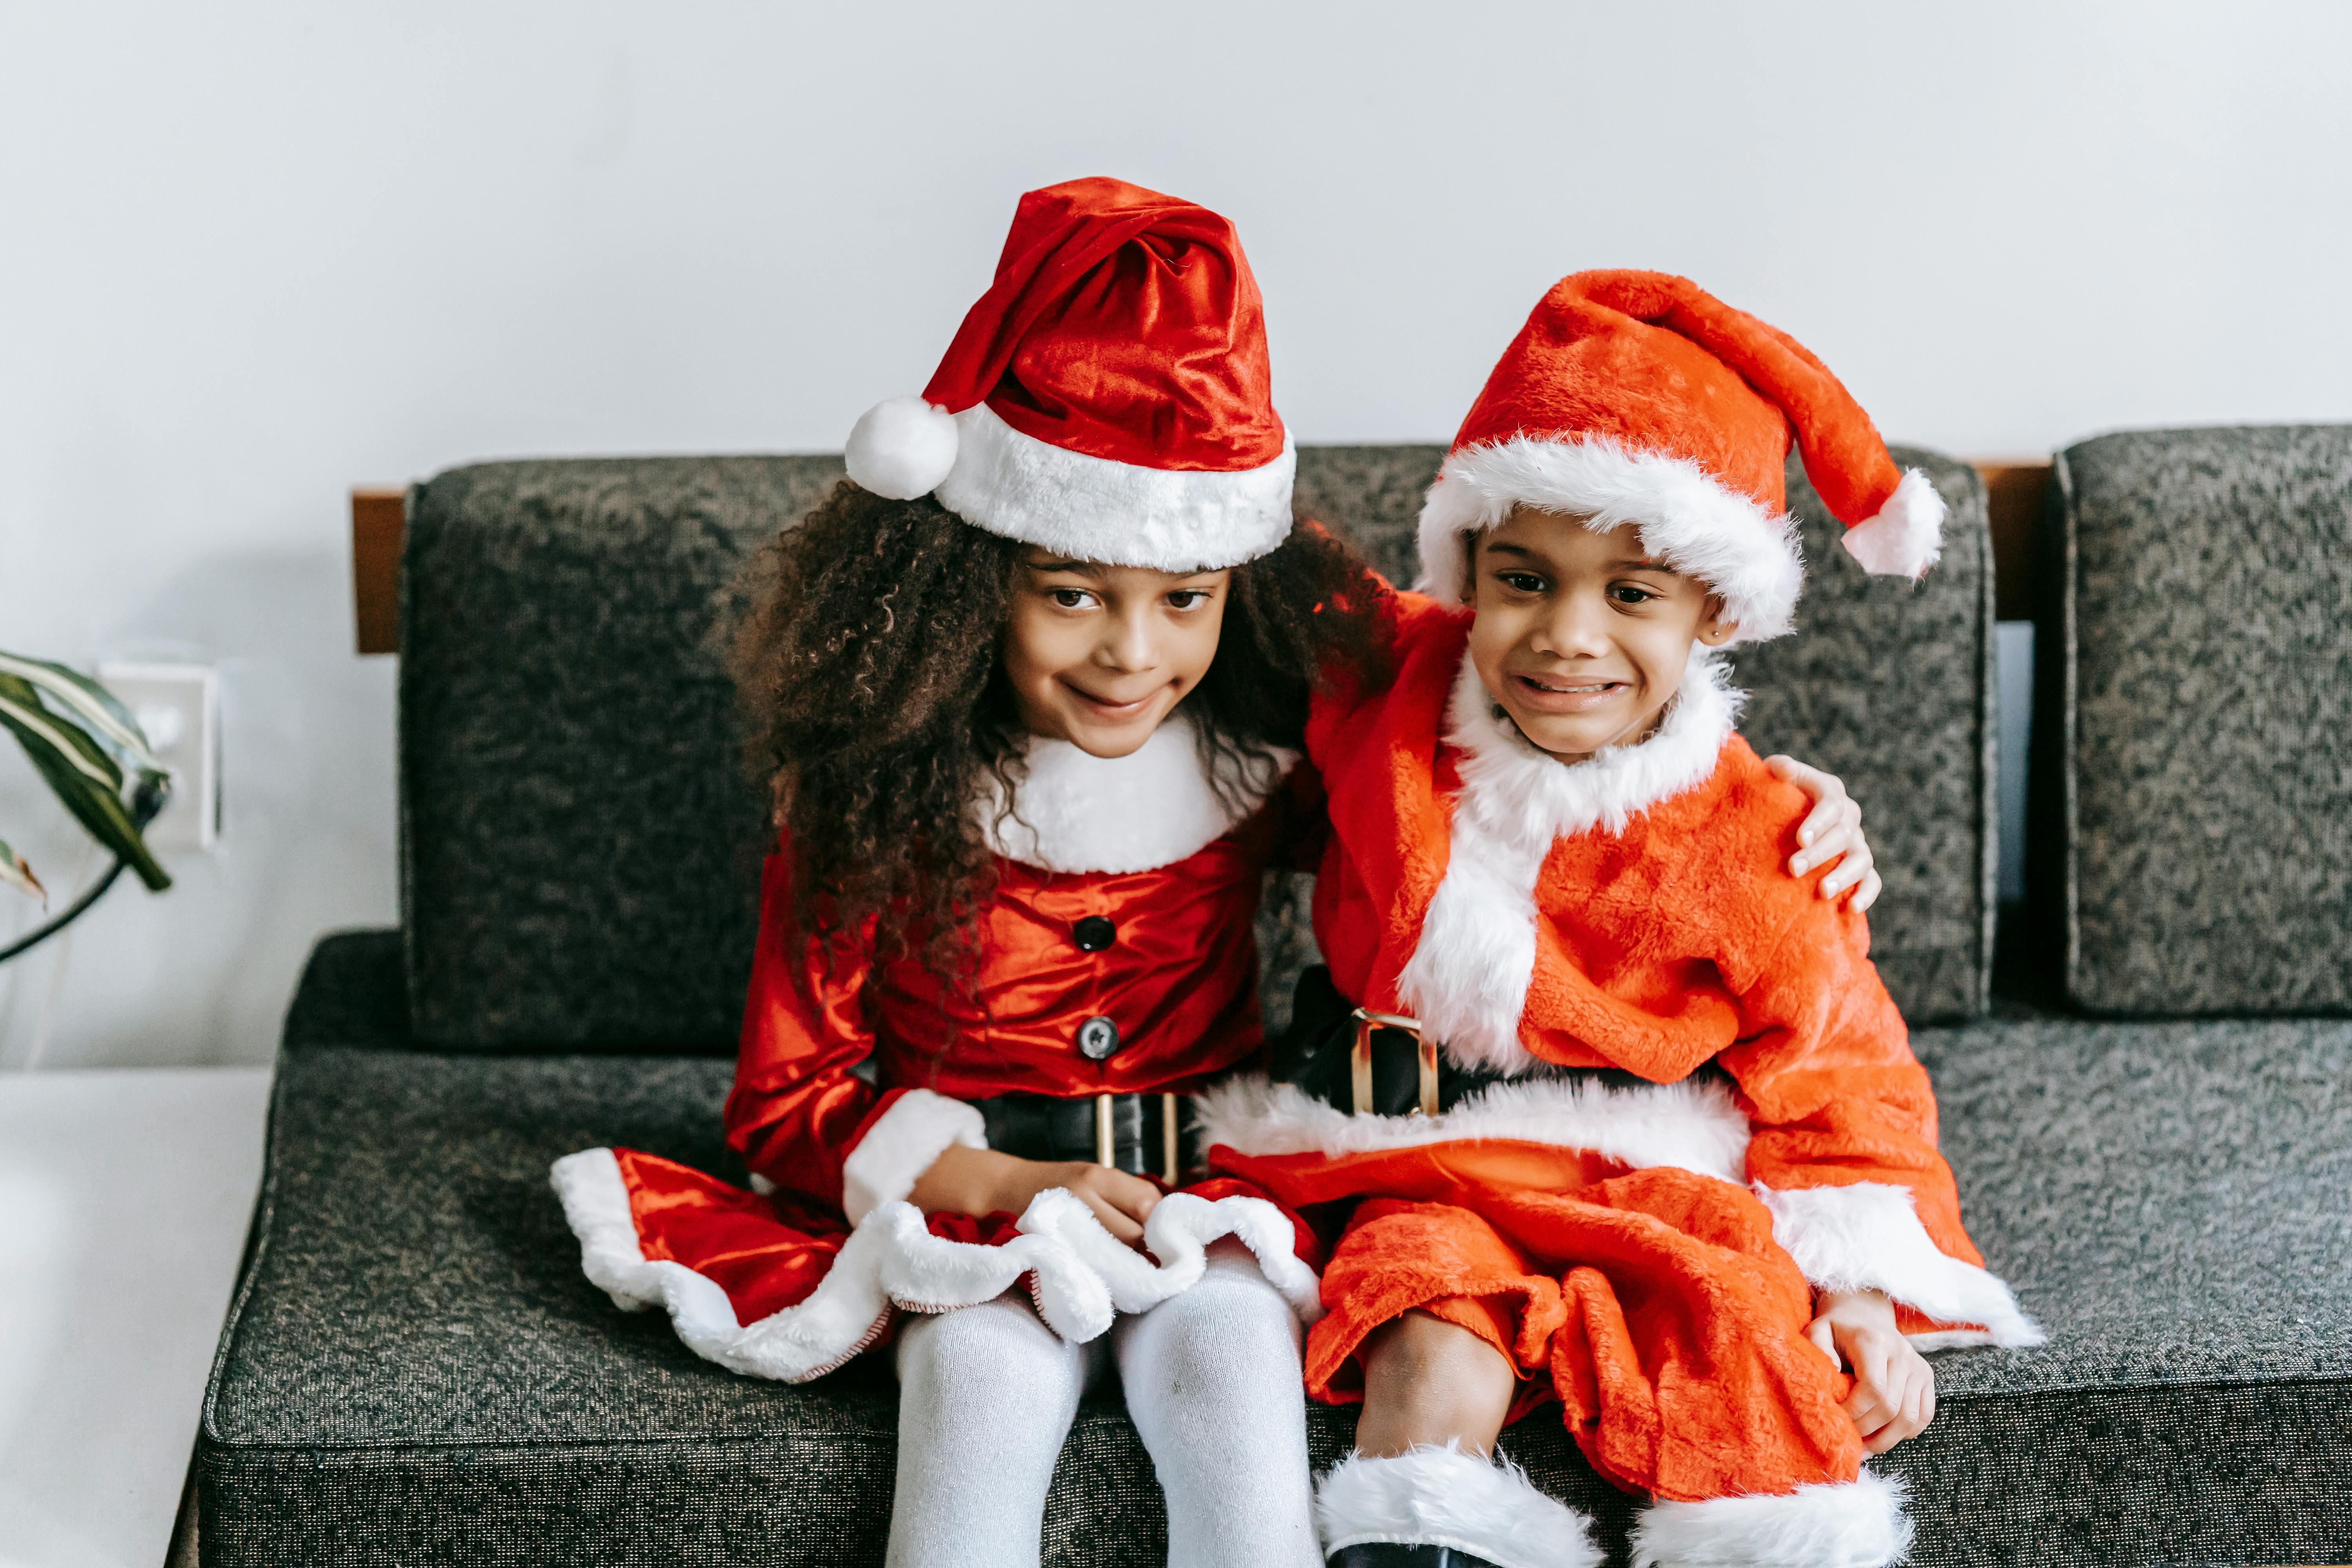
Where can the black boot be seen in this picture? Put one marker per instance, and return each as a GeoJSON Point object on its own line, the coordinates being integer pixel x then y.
{"type": "Point", "coordinates": [1389, 1554]}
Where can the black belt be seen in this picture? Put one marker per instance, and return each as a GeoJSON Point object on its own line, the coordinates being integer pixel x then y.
{"type": "Point", "coordinates": [1142, 1134]}
{"type": "Point", "coordinates": [1360, 1060]}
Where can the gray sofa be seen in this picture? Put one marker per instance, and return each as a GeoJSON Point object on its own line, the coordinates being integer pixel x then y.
{"type": "Point", "coordinates": [414, 1369]}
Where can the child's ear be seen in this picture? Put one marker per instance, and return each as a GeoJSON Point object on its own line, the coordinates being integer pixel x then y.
{"type": "Point", "coordinates": [1713, 630]}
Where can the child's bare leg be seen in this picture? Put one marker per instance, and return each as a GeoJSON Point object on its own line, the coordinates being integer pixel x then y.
{"type": "Point", "coordinates": [1428, 1383]}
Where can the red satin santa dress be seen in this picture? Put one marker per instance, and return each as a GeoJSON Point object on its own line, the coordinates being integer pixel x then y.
{"type": "Point", "coordinates": [1125, 897]}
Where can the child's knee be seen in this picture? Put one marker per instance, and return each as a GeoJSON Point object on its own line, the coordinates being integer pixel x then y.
{"type": "Point", "coordinates": [1231, 1331]}
{"type": "Point", "coordinates": [1423, 1363]}
{"type": "Point", "coordinates": [998, 1351]}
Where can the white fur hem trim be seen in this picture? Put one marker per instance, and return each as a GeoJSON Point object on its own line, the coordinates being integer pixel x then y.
{"type": "Point", "coordinates": [1467, 978]}
{"type": "Point", "coordinates": [1866, 1235]}
{"type": "Point", "coordinates": [1121, 514]}
{"type": "Point", "coordinates": [1687, 518]}
{"type": "Point", "coordinates": [1074, 811]}
{"type": "Point", "coordinates": [1443, 1497]}
{"type": "Point", "coordinates": [1690, 1126]}
{"type": "Point", "coordinates": [1860, 1524]}
{"type": "Point", "coordinates": [919, 1126]}
{"type": "Point", "coordinates": [1079, 1274]}
{"type": "Point", "coordinates": [1906, 536]}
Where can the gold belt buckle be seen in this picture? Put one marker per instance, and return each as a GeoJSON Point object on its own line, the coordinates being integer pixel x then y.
{"type": "Point", "coordinates": [1107, 1140]}
{"type": "Point", "coordinates": [1360, 1059]}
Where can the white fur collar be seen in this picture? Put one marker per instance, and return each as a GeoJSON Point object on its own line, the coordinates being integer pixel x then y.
{"type": "Point", "coordinates": [1467, 979]}
{"type": "Point", "coordinates": [1528, 796]}
{"type": "Point", "coordinates": [1076, 812]}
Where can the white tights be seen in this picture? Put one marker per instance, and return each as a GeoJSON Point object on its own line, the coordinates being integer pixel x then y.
{"type": "Point", "coordinates": [988, 1392]}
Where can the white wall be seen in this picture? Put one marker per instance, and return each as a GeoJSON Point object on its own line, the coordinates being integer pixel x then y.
{"type": "Point", "coordinates": [251, 254]}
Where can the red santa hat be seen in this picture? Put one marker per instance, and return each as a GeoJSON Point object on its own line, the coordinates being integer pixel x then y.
{"type": "Point", "coordinates": [1639, 397]}
{"type": "Point", "coordinates": [1107, 398]}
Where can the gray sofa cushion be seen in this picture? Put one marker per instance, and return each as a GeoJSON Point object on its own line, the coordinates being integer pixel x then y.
{"type": "Point", "coordinates": [579, 847]}
{"type": "Point", "coordinates": [2207, 712]}
{"type": "Point", "coordinates": [415, 1370]}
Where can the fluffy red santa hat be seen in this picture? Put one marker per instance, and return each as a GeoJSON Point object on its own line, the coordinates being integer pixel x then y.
{"type": "Point", "coordinates": [1639, 397]}
{"type": "Point", "coordinates": [1107, 398]}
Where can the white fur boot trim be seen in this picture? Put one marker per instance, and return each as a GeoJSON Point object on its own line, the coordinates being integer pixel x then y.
{"type": "Point", "coordinates": [1859, 1525]}
{"type": "Point", "coordinates": [1443, 1497]}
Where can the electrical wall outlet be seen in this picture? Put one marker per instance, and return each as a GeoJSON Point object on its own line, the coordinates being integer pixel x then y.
{"type": "Point", "coordinates": [178, 705]}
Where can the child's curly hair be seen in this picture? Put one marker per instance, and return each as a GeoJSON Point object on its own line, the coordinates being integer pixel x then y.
{"type": "Point", "coordinates": [876, 701]}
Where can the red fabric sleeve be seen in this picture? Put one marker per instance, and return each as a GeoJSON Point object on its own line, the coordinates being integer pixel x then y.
{"type": "Point", "coordinates": [799, 1107]}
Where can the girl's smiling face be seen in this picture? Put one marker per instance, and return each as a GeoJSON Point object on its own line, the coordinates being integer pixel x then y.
{"type": "Point", "coordinates": [1580, 636]}
{"type": "Point", "coordinates": [1098, 656]}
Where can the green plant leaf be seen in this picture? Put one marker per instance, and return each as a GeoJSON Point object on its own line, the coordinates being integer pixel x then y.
{"type": "Point", "coordinates": [62, 734]}
{"type": "Point", "coordinates": [96, 805]}
{"type": "Point", "coordinates": [17, 874]}
{"type": "Point", "coordinates": [98, 707]}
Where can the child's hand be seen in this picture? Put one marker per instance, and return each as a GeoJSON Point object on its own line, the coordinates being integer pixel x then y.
{"type": "Point", "coordinates": [982, 1181]}
{"type": "Point", "coordinates": [1831, 832]}
{"type": "Point", "coordinates": [1894, 1392]}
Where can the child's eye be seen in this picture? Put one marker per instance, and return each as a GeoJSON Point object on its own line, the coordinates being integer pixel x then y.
{"type": "Point", "coordinates": [1185, 598]}
{"type": "Point", "coordinates": [1521, 582]}
{"type": "Point", "coordinates": [1071, 598]}
{"type": "Point", "coordinates": [1628, 593]}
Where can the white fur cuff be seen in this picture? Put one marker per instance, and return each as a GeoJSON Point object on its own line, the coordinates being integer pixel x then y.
{"type": "Point", "coordinates": [1867, 1237]}
{"type": "Point", "coordinates": [1443, 1497]}
{"type": "Point", "coordinates": [899, 1148]}
{"type": "Point", "coordinates": [1858, 1525]}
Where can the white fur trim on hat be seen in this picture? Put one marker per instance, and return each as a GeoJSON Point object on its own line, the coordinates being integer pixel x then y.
{"type": "Point", "coordinates": [1906, 536]}
{"type": "Point", "coordinates": [901, 447]}
{"type": "Point", "coordinates": [1688, 519]}
{"type": "Point", "coordinates": [1866, 1235]}
{"type": "Point", "coordinates": [1468, 977]}
{"type": "Point", "coordinates": [1443, 1497]}
{"type": "Point", "coordinates": [1073, 811]}
{"type": "Point", "coordinates": [903, 1143]}
{"type": "Point", "coordinates": [1093, 508]}
{"type": "Point", "coordinates": [1079, 1275]}
{"type": "Point", "coordinates": [1860, 1524]}
{"type": "Point", "coordinates": [1694, 1126]}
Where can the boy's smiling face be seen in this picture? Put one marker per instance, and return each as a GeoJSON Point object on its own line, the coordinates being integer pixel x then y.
{"type": "Point", "coordinates": [1580, 637]}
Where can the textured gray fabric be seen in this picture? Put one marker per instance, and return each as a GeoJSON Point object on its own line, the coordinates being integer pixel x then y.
{"type": "Point", "coordinates": [415, 1370]}
{"type": "Point", "coordinates": [2207, 767]}
{"type": "Point", "coordinates": [579, 846]}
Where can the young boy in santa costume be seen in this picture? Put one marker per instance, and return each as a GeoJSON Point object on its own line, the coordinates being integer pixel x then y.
{"type": "Point", "coordinates": [1671, 1162]}
{"type": "Point", "coordinates": [1026, 793]}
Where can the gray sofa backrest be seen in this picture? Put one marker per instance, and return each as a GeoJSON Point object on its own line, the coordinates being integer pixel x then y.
{"type": "Point", "coordinates": [2206, 709]}
{"type": "Point", "coordinates": [580, 847]}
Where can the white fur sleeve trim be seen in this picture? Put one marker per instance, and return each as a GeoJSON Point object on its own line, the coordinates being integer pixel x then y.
{"type": "Point", "coordinates": [1079, 1274]}
{"type": "Point", "coordinates": [1860, 1524]}
{"type": "Point", "coordinates": [1443, 1497]}
{"type": "Point", "coordinates": [1693, 1126]}
{"type": "Point", "coordinates": [1866, 1235]}
{"type": "Point", "coordinates": [1906, 537]}
{"type": "Point", "coordinates": [901, 1145]}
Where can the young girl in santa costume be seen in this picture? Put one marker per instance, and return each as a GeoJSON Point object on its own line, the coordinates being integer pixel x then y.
{"type": "Point", "coordinates": [1671, 1163]}
{"type": "Point", "coordinates": [1029, 689]}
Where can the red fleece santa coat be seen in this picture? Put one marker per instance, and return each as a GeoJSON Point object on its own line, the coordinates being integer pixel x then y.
{"type": "Point", "coordinates": [1646, 1254]}
{"type": "Point", "coordinates": [855, 1073]}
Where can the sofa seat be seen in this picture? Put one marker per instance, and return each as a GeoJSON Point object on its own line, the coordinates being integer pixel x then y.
{"type": "Point", "coordinates": [416, 1371]}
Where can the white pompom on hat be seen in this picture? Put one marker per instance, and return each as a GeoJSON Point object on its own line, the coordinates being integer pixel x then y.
{"type": "Point", "coordinates": [902, 448]}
